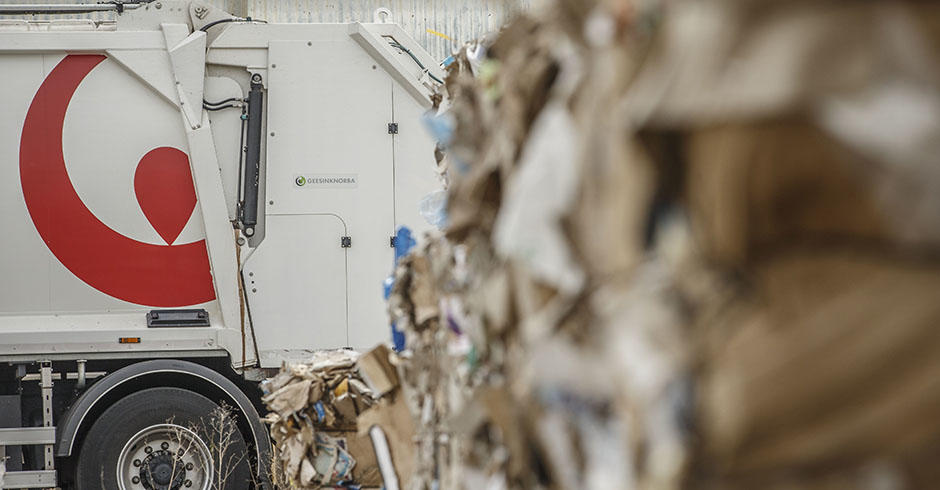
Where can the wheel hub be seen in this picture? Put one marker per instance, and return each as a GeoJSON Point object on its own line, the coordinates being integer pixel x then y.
{"type": "Point", "coordinates": [161, 470]}
{"type": "Point", "coordinates": [165, 457]}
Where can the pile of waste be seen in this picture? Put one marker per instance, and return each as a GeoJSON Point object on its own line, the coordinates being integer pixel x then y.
{"type": "Point", "coordinates": [314, 407]}
{"type": "Point", "coordinates": [339, 420]}
{"type": "Point", "coordinates": [687, 245]}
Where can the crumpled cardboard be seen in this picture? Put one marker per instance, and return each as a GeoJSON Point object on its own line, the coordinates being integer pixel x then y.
{"type": "Point", "coordinates": [314, 408]}
{"type": "Point", "coordinates": [377, 371]}
{"type": "Point", "coordinates": [539, 194]}
{"type": "Point", "coordinates": [394, 418]}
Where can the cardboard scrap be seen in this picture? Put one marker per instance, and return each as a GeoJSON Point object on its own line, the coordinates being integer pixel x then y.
{"type": "Point", "coordinates": [395, 419]}
{"type": "Point", "coordinates": [377, 371]}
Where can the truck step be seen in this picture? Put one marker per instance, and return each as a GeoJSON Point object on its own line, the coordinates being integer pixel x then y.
{"type": "Point", "coordinates": [28, 479]}
{"type": "Point", "coordinates": [27, 436]}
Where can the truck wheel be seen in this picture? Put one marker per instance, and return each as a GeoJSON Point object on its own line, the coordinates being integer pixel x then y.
{"type": "Point", "coordinates": [163, 439]}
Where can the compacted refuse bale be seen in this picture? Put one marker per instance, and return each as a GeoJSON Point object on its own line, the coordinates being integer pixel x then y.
{"type": "Point", "coordinates": [689, 244]}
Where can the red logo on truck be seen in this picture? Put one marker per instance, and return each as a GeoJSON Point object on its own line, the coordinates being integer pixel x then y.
{"type": "Point", "coordinates": [142, 273]}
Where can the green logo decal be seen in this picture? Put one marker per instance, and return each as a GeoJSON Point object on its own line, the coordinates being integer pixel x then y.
{"type": "Point", "coordinates": [300, 181]}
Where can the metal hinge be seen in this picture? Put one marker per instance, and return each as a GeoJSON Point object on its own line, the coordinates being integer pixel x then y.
{"type": "Point", "coordinates": [346, 242]}
{"type": "Point", "coordinates": [392, 128]}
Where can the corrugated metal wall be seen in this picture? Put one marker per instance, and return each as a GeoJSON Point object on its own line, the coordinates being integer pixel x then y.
{"type": "Point", "coordinates": [428, 21]}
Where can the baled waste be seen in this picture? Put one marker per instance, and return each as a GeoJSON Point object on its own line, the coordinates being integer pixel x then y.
{"type": "Point", "coordinates": [687, 245]}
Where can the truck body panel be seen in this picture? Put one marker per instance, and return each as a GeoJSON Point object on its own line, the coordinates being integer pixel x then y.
{"type": "Point", "coordinates": [92, 230]}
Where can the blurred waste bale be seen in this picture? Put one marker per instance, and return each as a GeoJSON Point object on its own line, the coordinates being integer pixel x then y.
{"type": "Point", "coordinates": [689, 244]}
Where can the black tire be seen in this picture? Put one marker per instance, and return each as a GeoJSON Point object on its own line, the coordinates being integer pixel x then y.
{"type": "Point", "coordinates": [96, 467]}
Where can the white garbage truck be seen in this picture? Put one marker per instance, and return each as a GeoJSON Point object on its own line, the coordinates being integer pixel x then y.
{"type": "Point", "coordinates": [188, 200]}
